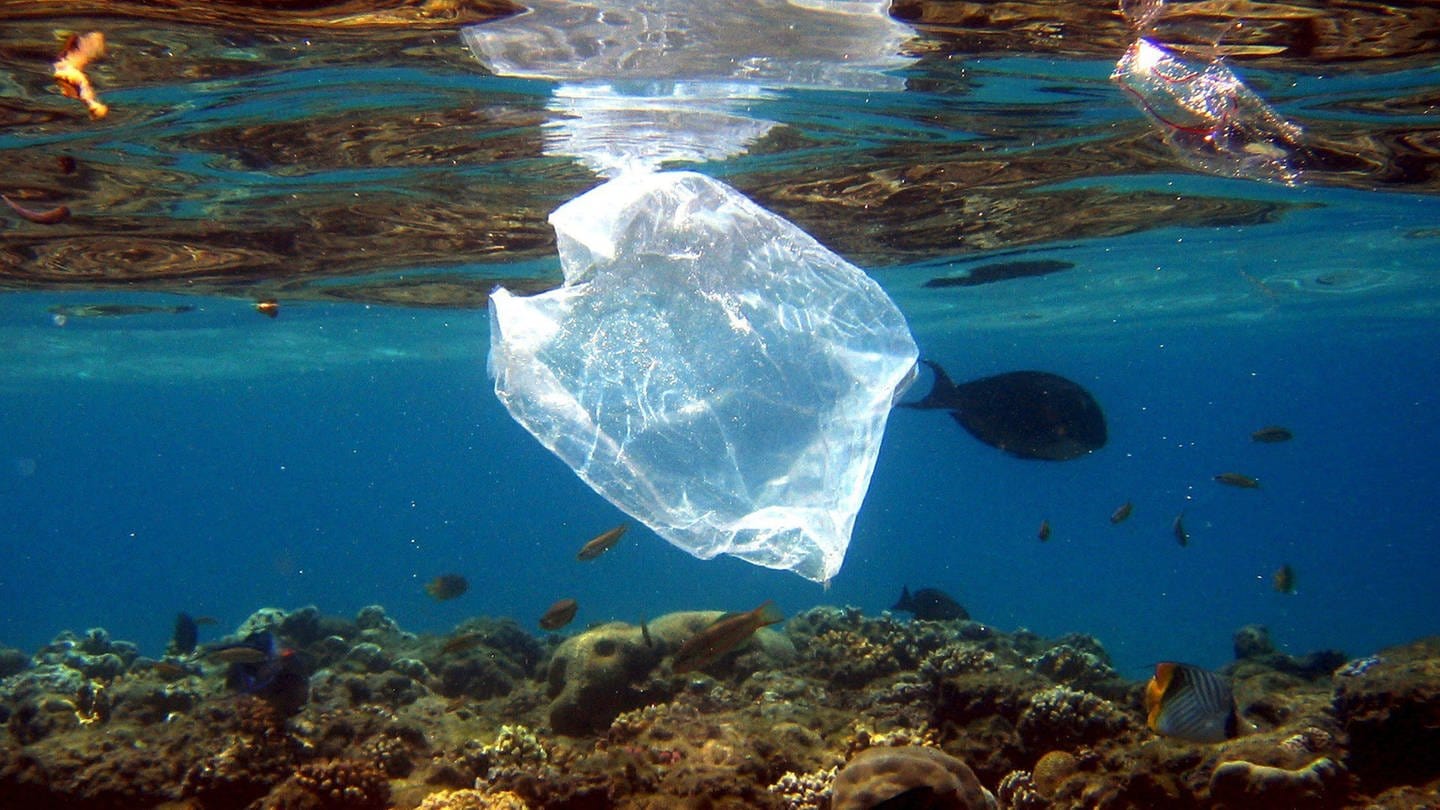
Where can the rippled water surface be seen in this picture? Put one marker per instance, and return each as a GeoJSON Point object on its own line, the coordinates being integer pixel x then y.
{"type": "Point", "coordinates": [168, 447]}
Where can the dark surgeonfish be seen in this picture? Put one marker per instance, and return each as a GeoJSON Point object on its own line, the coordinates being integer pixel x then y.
{"type": "Point", "coordinates": [1028, 414]}
{"type": "Point", "coordinates": [1190, 703]}
{"type": "Point", "coordinates": [930, 604]}
{"type": "Point", "coordinates": [988, 273]}
{"type": "Point", "coordinates": [186, 635]}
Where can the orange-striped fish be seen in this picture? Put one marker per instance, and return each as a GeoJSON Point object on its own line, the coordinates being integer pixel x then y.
{"type": "Point", "coordinates": [1240, 480]}
{"type": "Point", "coordinates": [1284, 579]}
{"type": "Point", "coordinates": [1272, 434]}
{"type": "Point", "coordinates": [559, 614]}
{"type": "Point", "coordinates": [602, 543]}
{"type": "Point", "coordinates": [1178, 528]}
{"type": "Point", "coordinates": [463, 641]}
{"type": "Point", "coordinates": [1190, 703]}
{"type": "Point", "coordinates": [1123, 512]}
{"type": "Point", "coordinates": [724, 635]}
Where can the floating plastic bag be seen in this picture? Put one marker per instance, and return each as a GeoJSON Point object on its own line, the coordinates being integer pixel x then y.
{"type": "Point", "coordinates": [708, 367]}
{"type": "Point", "coordinates": [650, 82]}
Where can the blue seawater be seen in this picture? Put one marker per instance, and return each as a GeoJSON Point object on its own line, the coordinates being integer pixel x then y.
{"type": "Point", "coordinates": [341, 455]}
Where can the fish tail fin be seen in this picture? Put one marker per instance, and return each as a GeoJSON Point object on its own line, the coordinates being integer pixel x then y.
{"type": "Point", "coordinates": [769, 614]}
{"type": "Point", "coordinates": [940, 390]}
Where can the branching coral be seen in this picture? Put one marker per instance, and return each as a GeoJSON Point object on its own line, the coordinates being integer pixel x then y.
{"type": "Point", "coordinates": [1065, 717]}
{"type": "Point", "coordinates": [805, 791]}
{"type": "Point", "coordinates": [339, 783]}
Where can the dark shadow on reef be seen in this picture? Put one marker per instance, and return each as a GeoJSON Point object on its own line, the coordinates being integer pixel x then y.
{"type": "Point", "coordinates": [834, 709]}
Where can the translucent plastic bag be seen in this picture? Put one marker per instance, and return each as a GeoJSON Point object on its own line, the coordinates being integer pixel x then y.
{"type": "Point", "coordinates": [709, 368]}
{"type": "Point", "coordinates": [1208, 116]}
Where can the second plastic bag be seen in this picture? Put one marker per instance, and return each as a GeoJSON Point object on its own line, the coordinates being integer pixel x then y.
{"type": "Point", "coordinates": [709, 368]}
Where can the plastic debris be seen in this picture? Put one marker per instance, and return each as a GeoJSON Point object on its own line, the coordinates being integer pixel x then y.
{"type": "Point", "coordinates": [77, 53]}
{"type": "Point", "coordinates": [1201, 109]}
{"type": "Point", "coordinates": [709, 368]}
{"type": "Point", "coordinates": [650, 82]}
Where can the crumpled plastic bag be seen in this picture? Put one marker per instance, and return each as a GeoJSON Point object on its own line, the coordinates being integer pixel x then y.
{"type": "Point", "coordinates": [709, 368]}
{"type": "Point", "coordinates": [1208, 116]}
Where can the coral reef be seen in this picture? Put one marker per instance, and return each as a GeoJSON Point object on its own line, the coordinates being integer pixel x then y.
{"type": "Point", "coordinates": [836, 709]}
{"type": "Point", "coordinates": [1238, 783]}
{"type": "Point", "coordinates": [1390, 711]}
{"type": "Point", "coordinates": [924, 777]}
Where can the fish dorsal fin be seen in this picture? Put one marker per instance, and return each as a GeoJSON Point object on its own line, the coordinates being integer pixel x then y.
{"type": "Point", "coordinates": [906, 602]}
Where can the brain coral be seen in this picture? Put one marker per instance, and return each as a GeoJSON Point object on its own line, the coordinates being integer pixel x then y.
{"type": "Point", "coordinates": [908, 776]}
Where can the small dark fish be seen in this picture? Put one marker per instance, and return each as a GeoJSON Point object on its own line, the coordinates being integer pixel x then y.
{"type": "Point", "coordinates": [66, 164]}
{"type": "Point", "coordinates": [1272, 434]}
{"type": "Point", "coordinates": [462, 642]}
{"type": "Point", "coordinates": [1178, 527]}
{"type": "Point", "coordinates": [1235, 479]}
{"type": "Point", "coordinates": [269, 307]}
{"type": "Point", "coordinates": [206, 621]}
{"type": "Point", "coordinates": [186, 635]}
{"type": "Point", "coordinates": [169, 670]}
{"type": "Point", "coordinates": [237, 653]}
{"type": "Point", "coordinates": [446, 587]}
{"type": "Point", "coordinates": [645, 633]}
{"type": "Point", "coordinates": [1284, 579]}
{"type": "Point", "coordinates": [724, 635]}
{"type": "Point", "coordinates": [1028, 414]}
{"type": "Point", "coordinates": [116, 310]}
{"type": "Point", "coordinates": [1044, 533]}
{"type": "Point", "coordinates": [1122, 512]}
{"type": "Point", "coordinates": [602, 543]}
{"type": "Point", "coordinates": [52, 216]}
{"type": "Point", "coordinates": [559, 614]}
{"type": "Point", "coordinates": [930, 604]}
{"type": "Point", "coordinates": [1190, 703]}
{"type": "Point", "coordinates": [1002, 271]}
{"type": "Point", "coordinates": [260, 666]}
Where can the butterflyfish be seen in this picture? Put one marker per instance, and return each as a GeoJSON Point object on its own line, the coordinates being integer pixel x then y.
{"type": "Point", "coordinates": [1190, 703]}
